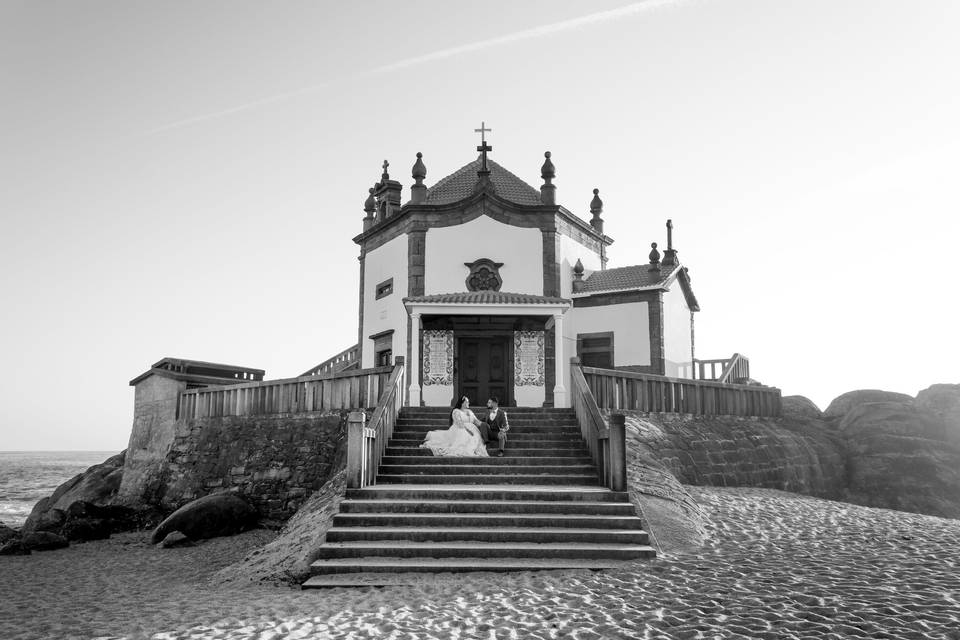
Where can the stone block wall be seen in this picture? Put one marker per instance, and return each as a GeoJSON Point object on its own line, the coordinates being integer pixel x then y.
{"type": "Point", "coordinates": [275, 461]}
{"type": "Point", "coordinates": [799, 455]}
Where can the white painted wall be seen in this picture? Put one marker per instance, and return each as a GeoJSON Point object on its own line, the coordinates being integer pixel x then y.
{"type": "Point", "coordinates": [529, 395]}
{"type": "Point", "coordinates": [437, 395]}
{"type": "Point", "coordinates": [448, 248]}
{"type": "Point", "coordinates": [386, 261]}
{"type": "Point", "coordinates": [629, 322]}
{"type": "Point", "coordinates": [570, 251]}
{"type": "Point", "coordinates": [676, 333]}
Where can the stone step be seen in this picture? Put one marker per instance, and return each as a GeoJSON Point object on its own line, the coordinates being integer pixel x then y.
{"type": "Point", "coordinates": [512, 436]}
{"type": "Point", "coordinates": [541, 535]}
{"type": "Point", "coordinates": [488, 520]}
{"type": "Point", "coordinates": [564, 453]}
{"type": "Point", "coordinates": [441, 423]}
{"type": "Point", "coordinates": [538, 461]}
{"type": "Point", "coordinates": [568, 508]}
{"type": "Point", "coordinates": [527, 440]}
{"type": "Point", "coordinates": [465, 549]}
{"type": "Point", "coordinates": [445, 411]}
{"type": "Point", "coordinates": [572, 432]}
{"type": "Point", "coordinates": [480, 466]}
{"type": "Point", "coordinates": [582, 492]}
{"type": "Point", "coordinates": [488, 478]}
{"type": "Point", "coordinates": [372, 572]}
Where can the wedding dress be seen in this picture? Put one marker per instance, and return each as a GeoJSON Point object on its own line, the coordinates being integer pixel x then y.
{"type": "Point", "coordinates": [461, 439]}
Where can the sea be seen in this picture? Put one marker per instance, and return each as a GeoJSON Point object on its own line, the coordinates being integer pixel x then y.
{"type": "Point", "coordinates": [27, 476]}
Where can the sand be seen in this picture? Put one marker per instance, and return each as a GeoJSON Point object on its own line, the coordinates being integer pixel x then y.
{"type": "Point", "coordinates": [776, 565]}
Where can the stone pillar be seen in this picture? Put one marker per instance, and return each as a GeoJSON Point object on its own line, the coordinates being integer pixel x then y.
{"type": "Point", "coordinates": [560, 398]}
{"type": "Point", "coordinates": [356, 421]}
{"type": "Point", "coordinates": [618, 453]}
{"type": "Point", "coordinates": [413, 367]}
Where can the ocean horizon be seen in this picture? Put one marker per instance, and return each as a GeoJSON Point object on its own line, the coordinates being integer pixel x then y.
{"type": "Point", "coordinates": [28, 476]}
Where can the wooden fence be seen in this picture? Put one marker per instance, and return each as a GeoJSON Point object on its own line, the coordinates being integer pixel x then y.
{"type": "Point", "coordinates": [732, 369]}
{"type": "Point", "coordinates": [626, 390]}
{"type": "Point", "coordinates": [349, 357]}
{"type": "Point", "coordinates": [367, 441]}
{"type": "Point", "coordinates": [607, 444]}
{"type": "Point", "coordinates": [354, 389]}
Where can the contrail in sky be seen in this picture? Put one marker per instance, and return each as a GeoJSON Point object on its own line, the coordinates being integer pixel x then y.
{"type": "Point", "coordinates": [633, 9]}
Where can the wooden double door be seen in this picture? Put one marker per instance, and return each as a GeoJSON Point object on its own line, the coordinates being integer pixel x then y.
{"type": "Point", "coordinates": [485, 369]}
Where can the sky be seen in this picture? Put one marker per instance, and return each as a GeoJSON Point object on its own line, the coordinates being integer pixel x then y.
{"type": "Point", "coordinates": [184, 179]}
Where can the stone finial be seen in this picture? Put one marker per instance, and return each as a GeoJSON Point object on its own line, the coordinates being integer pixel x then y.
{"type": "Point", "coordinates": [578, 276]}
{"type": "Point", "coordinates": [654, 257]}
{"type": "Point", "coordinates": [370, 208]}
{"type": "Point", "coordinates": [418, 192]}
{"type": "Point", "coordinates": [385, 176]}
{"type": "Point", "coordinates": [419, 171]}
{"type": "Point", "coordinates": [548, 192]}
{"type": "Point", "coordinates": [670, 255]}
{"type": "Point", "coordinates": [596, 208]}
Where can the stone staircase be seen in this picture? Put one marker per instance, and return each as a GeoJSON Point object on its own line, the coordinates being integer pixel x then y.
{"type": "Point", "coordinates": [538, 507]}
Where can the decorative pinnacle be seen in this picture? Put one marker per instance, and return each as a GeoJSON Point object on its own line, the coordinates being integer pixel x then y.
{"type": "Point", "coordinates": [578, 269]}
{"type": "Point", "coordinates": [419, 171]}
{"type": "Point", "coordinates": [370, 204]}
{"type": "Point", "coordinates": [385, 176]}
{"type": "Point", "coordinates": [654, 254]}
{"type": "Point", "coordinates": [548, 172]}
{"type": "Point", "coordinates": [596, 205]}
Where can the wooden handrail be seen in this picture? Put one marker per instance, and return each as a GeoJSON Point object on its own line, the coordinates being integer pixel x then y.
{"type": "Point", "coordinates": [629, 390]}
{"type": "Point", "coordinates": [607, 444]}
{"type": "Point", "coordinates": [348, 357]}
{"type": "Point", "coordinates": [738, 368]}
{"type": "Point", "coordinates": [367, 442]}
{"type": "Point", "coordinates": [345, 390]}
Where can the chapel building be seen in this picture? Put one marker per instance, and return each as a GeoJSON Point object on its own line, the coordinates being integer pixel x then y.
{"type": "Point", "coordinates": [487, 286]}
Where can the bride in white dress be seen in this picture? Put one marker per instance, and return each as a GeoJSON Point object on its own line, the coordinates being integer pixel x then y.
{"type": "Point", "coordinates": [462, 438]}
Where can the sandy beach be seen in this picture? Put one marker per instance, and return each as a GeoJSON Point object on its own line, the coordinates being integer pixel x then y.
{"type": "Point", "coordinates": [777, 565]}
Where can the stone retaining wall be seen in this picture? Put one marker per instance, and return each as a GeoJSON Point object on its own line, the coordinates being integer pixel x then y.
{"type": "Point", "coordinates": [274, 461]}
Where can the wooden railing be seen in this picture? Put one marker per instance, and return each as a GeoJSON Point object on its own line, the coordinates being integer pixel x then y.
{"type": "Point", "coordinates": [626, 390]}
{"type": "Point", "coordinates": [346, 390]}
{"type": "Point", "coordinates": [733, 369]}
{"type": "Point", "coordinates": [607, 444]}
{"type": "Point", "coordinates": [346, 358]}
{"type": "Point", "coordinates": [367, 441]}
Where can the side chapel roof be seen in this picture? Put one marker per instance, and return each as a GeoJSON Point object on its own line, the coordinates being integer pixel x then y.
{"type": "Point", "coordinates": [637, 277]}
{"type": "Point", "coordinates": [463, 183]}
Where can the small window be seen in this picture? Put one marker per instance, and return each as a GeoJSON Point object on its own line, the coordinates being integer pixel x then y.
{"type": "Point", "coordinates": [595, 350]}
{"type": "Point", "coordinates": [385, 288]}
{"type": "Point", "coordinates": [383, 348]}
{"type": "Point", "coordinates": [385, 358]}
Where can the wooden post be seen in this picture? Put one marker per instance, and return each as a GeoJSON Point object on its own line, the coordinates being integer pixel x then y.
{"type": "Point", "coordinates": [355, 449]}
{"type": "Point", "coordinates": [618, 452]}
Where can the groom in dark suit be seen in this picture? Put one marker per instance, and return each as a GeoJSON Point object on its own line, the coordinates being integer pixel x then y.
{"type": "Point", "coordinates": [495, 424]}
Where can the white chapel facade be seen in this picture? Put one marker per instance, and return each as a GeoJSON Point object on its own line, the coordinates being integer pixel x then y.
{"type": "Point", "coordinates": [488, 287]}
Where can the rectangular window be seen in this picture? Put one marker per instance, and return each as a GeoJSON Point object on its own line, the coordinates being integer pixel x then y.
{"type": "Point", "coordinates": [383, 348]}
{"type": "Point", "coordinates": [595, 349]}
{"type": "Point", "coordinates": [385, 288]}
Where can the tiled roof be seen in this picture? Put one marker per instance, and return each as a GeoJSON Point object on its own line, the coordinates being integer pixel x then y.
{"type": "Point", "coordinates": [463, 183]}
{"type": "Point", "coordinates": [485, 297]}
{"type": "Point", "coordinates": [634, 277]}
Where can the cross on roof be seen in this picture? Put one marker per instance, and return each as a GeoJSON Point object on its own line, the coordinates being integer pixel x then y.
{"type": "Point", "coordinates": [484, 147]}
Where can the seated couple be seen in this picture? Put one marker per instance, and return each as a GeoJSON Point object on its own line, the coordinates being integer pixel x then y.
{"type": "Point", "coordinates": [467, 436]}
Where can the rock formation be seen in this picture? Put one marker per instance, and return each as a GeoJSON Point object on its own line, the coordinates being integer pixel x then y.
{"type": "Point", "coordinates": [221, 514]}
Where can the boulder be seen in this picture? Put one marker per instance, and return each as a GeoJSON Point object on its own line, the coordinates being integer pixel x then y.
{"type": "Point", "coordinates": [98, 484]}
{"type": "Point", "coordinates": [800, 406]}
{"type": "Point", "coordinates": [43, 541]}
{"type": "Point", "coordinates": [50, 520]}
{"type": "Point", "coordinates": [943, 401]}
{"type": "Point", "coordinates": [176, 539]}
{"type": "Point", "coordinates": [13, 547]}
{"type": "Point", "coordinates": [7, 534]}
{"type": "Point", "coordinates": [843, 403]}
{"type": "Point", "coordinates": [86, 529]}
{"type": "Point", "coordinates": [898, 458]}
{"type": "Point", "coordinates": [221, 514]}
